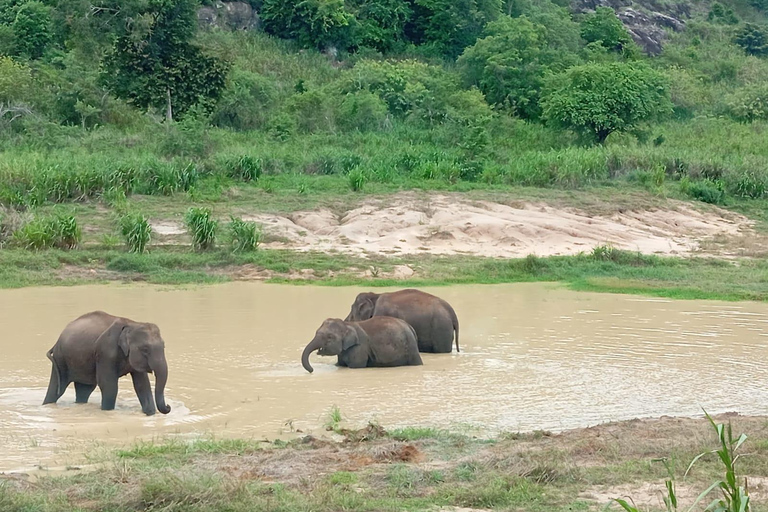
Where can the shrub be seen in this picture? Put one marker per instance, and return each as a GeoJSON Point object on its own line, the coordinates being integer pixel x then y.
{"type": "Point", "coordinates": [32, 29]}
{"type": "Point", "coordinates": [750, 183]}
{"type": "Point", "coordinates": [719, 13]}
{"type": "Point", "coordinates": [753, 39]}
{"type": "Point", "coordinates": [362, 110]}
{"type": "Point", "coordinates": [312, 23]}
{"type": "Point", "coordinates": [202, 227]}
{"type": "Point", "coordinates": [706, 190]}
{"type": "Point", "coordinates": [599, 99]}
{"type": "Point", "coordinates": [136, 232]}
{"type": "Point", "coordinates": [605, 28]}
{"type": "Point", "coordinates": [60, 231]}
{"type": "Point", "coordinates": [749, 103]}
{"type": "Point", "coordinates": [246, 236]}
{"type": "Point", "coordinates": [380, 23]}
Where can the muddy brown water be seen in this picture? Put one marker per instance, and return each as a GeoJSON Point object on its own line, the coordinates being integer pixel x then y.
{"type": "Point", "coordinates": [534, 356]}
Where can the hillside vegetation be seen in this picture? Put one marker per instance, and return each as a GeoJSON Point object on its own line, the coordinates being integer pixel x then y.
{"type": "Point", "coordinates": [106, 101]}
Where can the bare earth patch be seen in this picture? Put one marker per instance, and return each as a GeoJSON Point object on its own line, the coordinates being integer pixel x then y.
{"type": "Point", "coordinates": [449, 225]}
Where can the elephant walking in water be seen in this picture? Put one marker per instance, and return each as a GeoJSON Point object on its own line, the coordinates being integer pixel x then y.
{"type": "Point", "coordinates": [380, 341]}
{"type": "Point", "coordinates": [97, 349]}
{"type": "Point", "coordinates": [433, 319]}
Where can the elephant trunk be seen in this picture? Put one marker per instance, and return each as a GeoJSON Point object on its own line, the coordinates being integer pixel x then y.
{"type": "Point", "coordinates": [313, 345]}
{"type": "Point", "coordinates": [161, 378]}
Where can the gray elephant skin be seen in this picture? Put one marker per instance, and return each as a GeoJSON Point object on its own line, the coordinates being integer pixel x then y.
{"type": "Point", "coordinates": [433, 319]}
{"type": "Point", "coordinates": [97, 349]}
{"type": "Point", "coordinates": [380, 341]}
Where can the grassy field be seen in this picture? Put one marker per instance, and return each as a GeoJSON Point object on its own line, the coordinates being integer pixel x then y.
{"type": "Point", "coordinates": [408, 469]}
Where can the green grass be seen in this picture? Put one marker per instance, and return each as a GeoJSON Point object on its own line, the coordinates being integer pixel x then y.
{"type": "Point", "coordinates": [528, 474]}
{"type": "Point", "coordinates": [694, 278]}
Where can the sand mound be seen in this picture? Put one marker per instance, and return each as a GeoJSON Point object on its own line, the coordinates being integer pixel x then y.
{"type": "Point", "coordinates": [445, 225]}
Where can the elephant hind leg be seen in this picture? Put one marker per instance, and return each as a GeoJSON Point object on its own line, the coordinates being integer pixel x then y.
{"type": "Point", "coordinates": [56, 386]}
{"type": "Point", "coordinates": [83, 392]}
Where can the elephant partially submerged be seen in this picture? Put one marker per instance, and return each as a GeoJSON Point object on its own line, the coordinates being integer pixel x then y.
{"type": "Point", "coordinates": [433, 319]}
{"type": "Point", "coordinates": [380, 341]}
{"type": "Point", "coordinates": [97, 349]}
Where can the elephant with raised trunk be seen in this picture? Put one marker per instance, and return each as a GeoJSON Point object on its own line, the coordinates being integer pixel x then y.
{"type": "Point", "coordinates": [97, 349]}
{"type": "Point", "coordinates": [433, 319]}
{"type": "Point", "coordinates": [380, 341]}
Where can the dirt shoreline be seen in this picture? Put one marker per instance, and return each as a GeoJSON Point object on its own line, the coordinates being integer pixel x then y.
{"type": "Point", "coordinates": [439, 224]}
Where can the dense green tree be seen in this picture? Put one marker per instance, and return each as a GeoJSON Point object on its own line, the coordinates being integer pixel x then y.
{"type": "Point", "coordinates": [448, 26]}
{"type": "Point", "coordinates": [155, 65]}
{"type": "Point", "coordinates": [719, 13]}
{"type": "Point", "coordinates": [313, 23]}
{"type": "Point", "coordinates": [753, 39]}
{"type": "Point", "coordinates": [380, 24]}
{"type": "Point", "coordinates": [605, 28]}
{"type": "Point", "coordinates": [32, 29]}
{"type": "Point", "coordinates": [509, 64]}
{"type": "Point", "coordinates": [598, 99]}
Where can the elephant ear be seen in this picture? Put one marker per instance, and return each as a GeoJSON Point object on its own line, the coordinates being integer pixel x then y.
{"type": "Point", "coordinates": [116, 335]}
{"type": "Point", "coordinates": [350, 338]}
{"type": "Point", "coordinates": [366, 309]}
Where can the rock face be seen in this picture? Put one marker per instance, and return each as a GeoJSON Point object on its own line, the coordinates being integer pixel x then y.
{"type": "Point", "coordinates": [229, 16]}
{"type": "Point", "coordinates": [646, 20]}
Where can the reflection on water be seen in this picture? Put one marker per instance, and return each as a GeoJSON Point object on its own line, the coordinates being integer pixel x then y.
{"type": "Point", "coordinates": [533, 357]}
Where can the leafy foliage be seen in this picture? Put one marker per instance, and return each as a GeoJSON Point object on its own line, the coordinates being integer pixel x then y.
{"type": "Point", "coordinates": [313, 23]}
{"type": "Point", "coordinates": [245, 235]}
{"type": "Point", "coordinates": [32, 29]}
{"type": "Point", "coordinates": [59, 230]}
{"type": "Point", "coordinates": [155, 63]}
{"type": "Point", "coordinates": [599, 99]}
{"type": "Point", "coordinates": [380, 24]}
{"type": "Point", "coordinates": [605, 28]}
{"type": "Point", "coordinates": [753, 39]}
{"type": "Point", "coordinates": [136, 232]}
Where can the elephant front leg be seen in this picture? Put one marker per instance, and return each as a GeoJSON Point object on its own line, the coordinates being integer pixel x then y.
{"type": "Point", "coordinates": [83, 392]}
{"type": "Point", "coordinates": [144, 392]}
{"type": "Point", "coordinates": [107, 382]}
{"type": "Point", "coordinates": [356, 357]}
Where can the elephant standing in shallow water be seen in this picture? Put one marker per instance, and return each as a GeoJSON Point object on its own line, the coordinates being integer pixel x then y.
{"type": "Point", "coordinates": [433, 319]}
{"type": "Point", "coordinates": [97, 349]}
{"type": "Point", "coordinates": [380, 341]}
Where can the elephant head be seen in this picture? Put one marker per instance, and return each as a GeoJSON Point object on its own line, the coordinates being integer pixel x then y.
{"type": "Point", "coordinates": [331, 339]}
{"type": "Point", "coordinates": [362, 308]}
{"type": "Point", "coordinates": [144, 348]}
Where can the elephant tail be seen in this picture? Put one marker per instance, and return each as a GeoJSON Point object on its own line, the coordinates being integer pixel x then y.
{"type": "Point", "coordinates": [455, 321]}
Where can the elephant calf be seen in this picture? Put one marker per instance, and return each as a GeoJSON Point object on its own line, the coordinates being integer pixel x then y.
{"type": "Point", "coordinates": [380, 341]}
{"type": "Point", "coordinates": [433, 319]}
{"type": "Point", "coordinates": [97, 349]}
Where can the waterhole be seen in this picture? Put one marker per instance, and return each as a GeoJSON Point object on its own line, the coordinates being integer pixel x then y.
{"type": "Point", "coordinates": [534, 356]}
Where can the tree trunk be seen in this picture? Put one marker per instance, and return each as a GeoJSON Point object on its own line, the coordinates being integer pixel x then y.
{"type": "Point", "coordinates": [168, 108]}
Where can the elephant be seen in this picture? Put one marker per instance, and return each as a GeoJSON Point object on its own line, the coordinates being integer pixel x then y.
{"type": "Point", "coordinates": [97, 348]}
{"type": "Point", "coordinates": [433, 319]}
{"type": "Point", "coordinates": [380, 341]}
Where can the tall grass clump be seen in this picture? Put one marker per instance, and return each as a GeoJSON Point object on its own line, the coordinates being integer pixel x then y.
{"type": "Point", "coordinates": [357, 179]}
{"type": "Point", "coordinates": [202, 226]}
{"type": "Point", "coordinates": [60, 231]}
{"type": "Point", "coordinates": [245, 168]}
{"type": "Point", "coordinates": [245, 235]}
{"type": "Point", "coordinates": [734, 496]}
{"type": "Point", "coordinates": [136, 232]}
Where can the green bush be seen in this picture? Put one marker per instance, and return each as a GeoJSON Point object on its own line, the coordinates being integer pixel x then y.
{"type": "Point", "coordinates": [363, 111]}
{"type": "Point", "coordinates": [247, 101]}
{"type": "Point", "coordinates": [32, 29]}
{"type": "Point", "coordinates": [749, 183]}
{"type": "Point", "coordinates": [749, 104]}
{"type": "Point", "coordinates": [245, 235]}
{"type": "Point", "coordinates": [136, 232]}
{"type": "Point", "coordinates": [753, 39]}
{"type": "Point", "coordinates": [605, 28]}
{"type": "Point", "coordinates": [706, 190]}
{"type": "Point", "coordinates": [202, 227]}
{"type": "Point", "coordinates": [312, 23]}
{"type": "Point", "coordinates": [598, 99]}
{"type": "Point", "coordinates": [380, 24]}
{"type": "Point", "coordinates": [59, 230]}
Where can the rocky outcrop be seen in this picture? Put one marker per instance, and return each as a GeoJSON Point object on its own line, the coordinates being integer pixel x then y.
{"type": "Point", "coordinates": [646, 20]}
{"type": "Point", "coordinates": [228, 15]}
